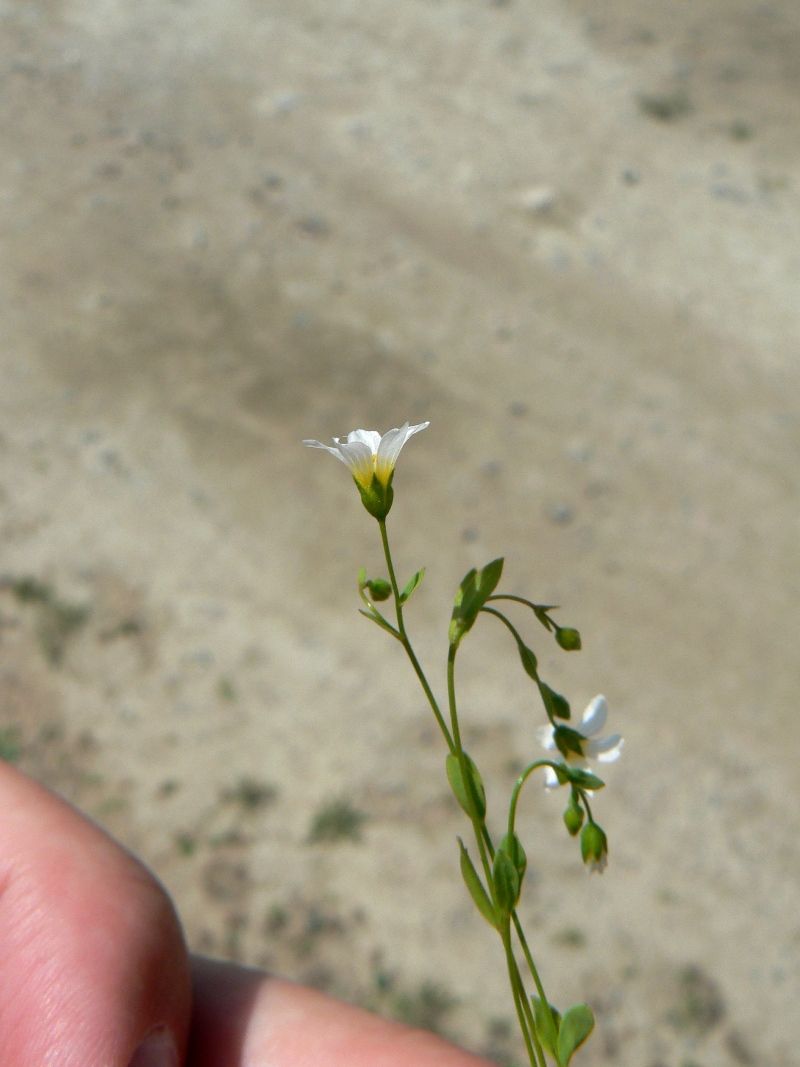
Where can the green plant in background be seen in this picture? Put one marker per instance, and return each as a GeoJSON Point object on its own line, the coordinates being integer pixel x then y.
{"type": "Point", "coordinates": [495, 885]}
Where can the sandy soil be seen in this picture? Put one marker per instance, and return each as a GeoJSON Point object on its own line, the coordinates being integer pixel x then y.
{"type": "Point", "coordinates": [567, 234]}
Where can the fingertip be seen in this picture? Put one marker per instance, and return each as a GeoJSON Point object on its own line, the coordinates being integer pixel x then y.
{"type": "Point", "coordinates": [92, 956]}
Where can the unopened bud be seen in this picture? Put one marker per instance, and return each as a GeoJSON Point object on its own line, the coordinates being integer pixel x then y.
{"type": "Point", "coordinates": [379, 588]}
{"type": "Point", "coordinates": [594, 847]}
{"type": "Point", "coordinates": [568, 638]}
{"type": "Point", "coordinates": [573, 816]}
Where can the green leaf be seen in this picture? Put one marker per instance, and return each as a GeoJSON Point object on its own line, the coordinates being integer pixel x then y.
{"type": "Point", "coordinates": [556, 705]}
{"type": "Point", "coordinates": [411, 585]}
{"type": "Point", "coordinates": [506, 883]}
{"type": "Point", "coordinates": [584, 779]}
{"type": "Point", "coordinates": [378, 619]}
{"type": "Point", "coordinates": [362, 577]}
{"type": "Point", "coordinates": [475, 589]}
{"type": "Point", "coordinates": [512, 846]}
{"type": "Point", "coordinates": [575, 1027]}
{"type": "Point", "coordinates": [474, 784]}
{"type": "Point", "coordinates": [529, 661]}
{"type": "Point", "coordinates": [547, 1023]}
{"type": "Point", "coordinates": [475, 887]}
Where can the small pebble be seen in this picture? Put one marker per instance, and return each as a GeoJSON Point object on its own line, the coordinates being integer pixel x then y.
{"type": "Point", "coordinates": [561, 514]}
{"type": "Point", "coordinates": [537, 199]}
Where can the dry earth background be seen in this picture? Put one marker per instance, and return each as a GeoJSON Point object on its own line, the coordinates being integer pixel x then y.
{"type": "Point", "coordinates": [567, 234]}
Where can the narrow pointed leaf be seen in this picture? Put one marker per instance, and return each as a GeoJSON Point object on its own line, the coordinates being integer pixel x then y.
{"type": "Point", "coordinates": [584, 779]}
{"type": "Point", "coordinates": [378, 619]}
{"type": "Point", "coordinates": [556, 705]}
{"type": "Point", "coordinates": [411, 585]}
{"type": "Point", "coordinates": [477, 806]}
{"type": "Point", "coordinates": [577, 1024]}
{"type": "Point", "coordinates": [475, 887]}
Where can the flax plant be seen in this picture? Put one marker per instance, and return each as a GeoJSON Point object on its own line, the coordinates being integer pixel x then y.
{"type": "Point", "coordinates": [494, 878]}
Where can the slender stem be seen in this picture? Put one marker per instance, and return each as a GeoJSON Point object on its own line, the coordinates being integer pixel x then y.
{"type": "Point", "coordinates": [505, 621]}
{"type": "Point", "coordinates": [530, 1037]}
{"type": "Point", "coordinates": [512, 812]}
{"type": "Point", "coordinates": [407, 643]}
{"type": "Point", "coordinates": [478, 824]}
{"type": "Point", "coordinates": [531, 965]}
{"type": "Point", "coordinates": [520, 782]}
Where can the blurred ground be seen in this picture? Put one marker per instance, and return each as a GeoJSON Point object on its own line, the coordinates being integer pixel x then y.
{"type": "Point", "coordinates": [567, 234]}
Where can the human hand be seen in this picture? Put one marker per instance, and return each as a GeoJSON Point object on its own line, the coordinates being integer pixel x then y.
{"type": "Point", "coordinates": [94, 970]}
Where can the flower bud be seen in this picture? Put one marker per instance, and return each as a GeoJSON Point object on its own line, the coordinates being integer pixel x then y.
{"type": "Point", "coordinates": [573, 816]}
{"type": "Point", "coordinates": [594, 847]}
{"type": "Point", "coordinates": [568, 638]}
{"type": "Point", "coordinates": [379, 588]}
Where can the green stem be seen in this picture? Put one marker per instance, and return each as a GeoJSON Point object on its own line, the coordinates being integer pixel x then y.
{"type": "Point", "coordinates": [537, 981]}
{"type": "Point", "coordinates": [524, 1016]}
{"type": "Point", "coordinates": [407, 643]}
{"type": "Point", "coordinates": [520, 782]}
{"type": "Point", "coordinates": [478, 824]}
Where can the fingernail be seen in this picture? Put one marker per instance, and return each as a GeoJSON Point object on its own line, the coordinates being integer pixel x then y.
{"type": "Point", "coordinates": [157, 1050]}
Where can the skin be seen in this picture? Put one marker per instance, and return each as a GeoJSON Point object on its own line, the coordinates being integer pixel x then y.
{"type": "Point", "coordinates": [93, 959]}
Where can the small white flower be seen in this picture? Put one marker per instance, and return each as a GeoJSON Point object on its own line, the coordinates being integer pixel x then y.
{"type": "Point", "coordinates": [370, 455]}
{"type": "Point", "coordinates": [603, 749]}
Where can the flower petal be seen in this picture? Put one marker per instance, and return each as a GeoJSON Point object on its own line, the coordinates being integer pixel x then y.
{"type": "Point", "coordinates": [545, 737]}
{"type": "Point", "coordinates": [550, 778]}
{"type": "Point", "coordinates": [333, 451]}
{"type": "Point", "coordinates": [391, 444]}
{"type": "Point", "coordinates": [360, 459]}
{"type": "Point", "coordinates": [606, 749]}
{"type": "Point", "coordinates": [594, 718]}
{"type": "Point", "coordinates": [370, 438]}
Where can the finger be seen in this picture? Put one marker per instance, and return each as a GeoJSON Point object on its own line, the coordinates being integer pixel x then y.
{"type": "Point", "coordinates": [245, 1018]}
{"type": "Point", "coordinates": [92, 958]}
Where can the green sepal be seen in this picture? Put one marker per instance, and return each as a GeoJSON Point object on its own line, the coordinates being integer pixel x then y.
{"type": "Point", "coordinates": [475, 886]}
{"type": "Point", "coordinates": [568, 638]}
{"type": "Point", "coordinates": [376, 498]}
{"type": "Point", "coordinates": [574, 1028]}
{"type": "Point", "coordinates": [584, 779]}
{"type": "Point", "coordinates": [529, 662]}
{"type": "Point", "coordinates": [512, 846]}
{"type": "Point", "coordinates": [471, 795]}
{"type": "Point", "coordinates": [569, 742]}
{"type": "Point", "coordinates": [411, 585]}
{"type": "Point", "coordinates": [557, 707]}
{"type": "Point", "coordinates": [547, 1024]}
{"type": "Point", "coordinates": [505, 883]}
{"type": "Point", "coordinates": [475, 589]}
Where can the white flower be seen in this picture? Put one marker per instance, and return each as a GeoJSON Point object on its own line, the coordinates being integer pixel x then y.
{"type": "Point", "coordinates": [370, 455]}
{"type": "Point", "coordinates": [603, 749]}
